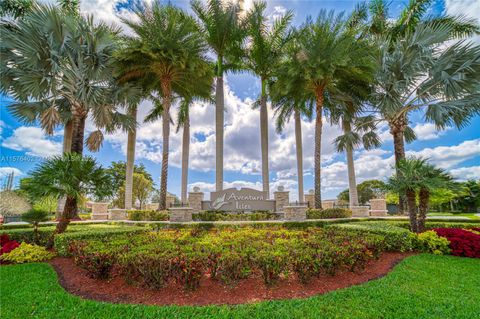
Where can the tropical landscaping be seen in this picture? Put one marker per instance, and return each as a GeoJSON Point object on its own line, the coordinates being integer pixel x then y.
{"type": "Point", "coordinates": [166, 256]}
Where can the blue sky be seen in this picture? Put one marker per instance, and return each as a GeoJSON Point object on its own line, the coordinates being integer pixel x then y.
{"type": "Point", "coordinates": [22, 147]}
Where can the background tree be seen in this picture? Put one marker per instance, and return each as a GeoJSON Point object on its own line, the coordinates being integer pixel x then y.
{"type": "Point", "coordinates": [289, 97]}
{"type": "Point", "coordinates": [167, 50]}
{"type": "Point", "coordinates": [141, 189]}
{"type": "Point", "coordinates": [117, 174]}
{"type": "Point", "coordinates": [72, 176]}
{"type": "Point", "coordinates": [367, 190]}
{"type": "Point", "coordinates": [265, 50]}
{"type": "Point", "coordinates": [327, 54]}
{"type": "Point", "coordinates": [224, 33]}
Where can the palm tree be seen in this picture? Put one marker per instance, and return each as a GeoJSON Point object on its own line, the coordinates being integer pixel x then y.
{"type": "Point", "coordinates": [166, 51]}
{"type": "Point", "coordinates": [326, 55]}
{"type": "Point", "coordinates": [416, 176]}
{"type": "Point", "coordinates": [71, 176]}
{"type": "Point", "coordinates": [289, 97]}
{"type": "Point", "coordinates": [263, 55]}
{"type": "Point", "coordinates": [400, 35]}
{"type": "Point", "coordinates": [58, 67]}
{"type": "Point", "coordinates": [224, 33]}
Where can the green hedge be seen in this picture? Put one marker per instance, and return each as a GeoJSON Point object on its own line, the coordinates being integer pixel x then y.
{"type": "Point", "coordinates": [313, 213]}
{"type": "Point", "coordinates": [396, 238]}
{"type": "Point", "coordinates": [229, 255]}
{"type": "Point", "coordinates": [62, 241]}
{"type": "Point", "coordinates": [147, 215]}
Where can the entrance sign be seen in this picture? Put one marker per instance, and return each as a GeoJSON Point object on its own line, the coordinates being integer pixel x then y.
{"type": "Point", "coordinates": [232, 199]}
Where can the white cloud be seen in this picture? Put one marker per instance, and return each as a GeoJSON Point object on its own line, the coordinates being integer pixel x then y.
{"type": "Point", "coordinates": [32, 141]}
{"type": "Point", "coordinates": [466, 173]}
{"type": "Point", "coordinates": [428, 131]}
{"type": "Point", "coordinates": [450, 156]}
{"type": "Point", "coordinates": [242, 139]}
{"type": "Point", "coordinates": [468, 8]}
{"type": "Point", "coordinates": [4, 171]}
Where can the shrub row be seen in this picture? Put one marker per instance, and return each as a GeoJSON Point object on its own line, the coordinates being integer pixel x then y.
{"type": "Point", "coordinates": [147, 215]}
{"type": "Point", "coordinates": [222, 216]}
{"type": "Point", "coordinates": [463, 242]}
{"type": "Point", "coordinates": [313, 213]}
{"type": "Point", "coordinates": [185, 256]}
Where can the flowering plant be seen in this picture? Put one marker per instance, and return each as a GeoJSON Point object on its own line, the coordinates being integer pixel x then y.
{"type": "Point", "coordinates": [462, 242]}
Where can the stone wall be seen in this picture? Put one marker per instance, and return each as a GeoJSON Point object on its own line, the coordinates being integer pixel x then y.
{"type": "Point", "coordinates": [310, 200]}
{"type": "Point", "coordinates": [360, 211]}
{"type": "Point", "coordinates": [328, 204]}
{"type": "Point", "coordinates": [195, 201]}
{"type": "Point", "coordinates": [99, 211]}
{"type": "Point", "coordinates": [180, 214]}
{"type": "Point", "coordinates": [281, 198]}
{"type": "Point", "coordinates": [378, 207]}
{"type": "Point", "coordinates": [117, 214]}
{"type": "Point", "coordinates": [295, 213]}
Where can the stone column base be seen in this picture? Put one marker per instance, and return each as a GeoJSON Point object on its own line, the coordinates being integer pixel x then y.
{"type": "Point", "coordinates": [360, 211]}
{"type": "Point", "coordinates": [180, 214]}
{"type": "Point", "coordinates": [99, 216]}
{"type": "Point", "coordinates": [117, 214]}
{"type": "Point", "coordinates": [378, 212]}
{"type": "Point", "coordinates": [295, 213]}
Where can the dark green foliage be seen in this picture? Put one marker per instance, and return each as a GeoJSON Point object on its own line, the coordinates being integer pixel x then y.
{"type": "Point", "coordinates": [367, 190]}
{"type": "Point", "coordinates": [229, 254]}
{"type": "Point", "coordinates": [35, 216]}
{"type": "Point", "coordinates": [98, 263]}
{"type": "Point", "coordinates": [117, 170]}
{"type": "Point", "coordinates": [329, 213]}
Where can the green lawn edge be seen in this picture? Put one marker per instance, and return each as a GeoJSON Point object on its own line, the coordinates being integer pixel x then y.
{"type": "Point", "coordinates": [421, 286]}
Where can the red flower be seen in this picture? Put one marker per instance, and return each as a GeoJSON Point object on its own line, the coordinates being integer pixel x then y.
{"type": "Point", "coordinates": [462, 242]}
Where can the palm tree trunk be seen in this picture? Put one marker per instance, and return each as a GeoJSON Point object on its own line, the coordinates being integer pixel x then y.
{"type": "Point", "coordinates": [412, 210]}
{"type": "Point", "coordinates": [397, 130]}
{"type": "Point", "coordinates": [67, 146]}
{"type": "Point", "coordinates": [185, 156]}
{"type": "Point", "coordinates": [318, 148]}
{"type": "Point", "coordinates": [424, 198]}
{"type": "Point", "coordinates": [78, 131]}
{"type": "Point", "coordinates": [166, 90]}
{"type": "Point", "coordinates": [264, 140]}
{"type": "Point", "coordinates": [352, 183]}
{"type": "Point", "coordinates": [69, 212]}
{"type": "Point", "coordinates": [299, 147]}
{"type": "Point", "coordinates": [219, 122]}
{"type": "Point", "coordinates": [132, 134]}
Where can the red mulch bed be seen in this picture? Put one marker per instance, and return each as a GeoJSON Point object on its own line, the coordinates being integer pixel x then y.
{"type": "Point", "coordinates": [116, 290]}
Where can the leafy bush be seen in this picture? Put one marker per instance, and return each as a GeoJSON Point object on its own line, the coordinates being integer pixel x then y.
{"type": "Point", "coordinates": [228, 254]}
{"type": "Point", "coordinates": [394, 238]}
{"type": "Point", "coordinates": [35, 216]}
{"type": "Point", "coordinates": [98, 264]}
{"type": "Point", "coordinates": [26, 253]}
{"type": "Point", "coordinates": [6, 244]}
{"type": "Point", "coordinates": [462, 242]}
{"type": "Point", "coordinates": [328, 213]}
{"type": "Point", "coordinates": [209, 215]}
{"type": "Point", "coordinates": [430, 242]}
{"type": "Point", "coordinates": [62, 241]}
{"type": "Point", "coordinates": [147, 215]}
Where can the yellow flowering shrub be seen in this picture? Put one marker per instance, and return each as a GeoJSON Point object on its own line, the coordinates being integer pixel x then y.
{"type": "Point", "coordinates": [26, 253]}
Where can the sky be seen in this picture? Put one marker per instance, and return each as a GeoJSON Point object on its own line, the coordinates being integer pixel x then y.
{"type": "Point", "coordinates": [23, 147]}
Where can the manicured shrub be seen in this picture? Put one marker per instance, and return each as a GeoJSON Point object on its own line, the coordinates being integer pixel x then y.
{"type": "Point", "coordinates": [462, 242]}
{"type": "Point", "coordinates": [430, 242]}
{"type": "Point", "coordinates": [7, 244]}
{"type": "Point", "coordinates": [272, 262]}
{"type": "Point", "coordinates": [26, 253]}
{"type": "Point", "coordinates": [98, 264]}
{"type": "Point", "coordinates": [147, 269]}
{"type": "Point", "coordinates": [328, 213]}
{"type": "Point", "coordinates": [147, 215]}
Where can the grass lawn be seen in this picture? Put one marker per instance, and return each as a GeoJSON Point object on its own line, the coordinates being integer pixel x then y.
{"type": "Point", "coordinates": [422, 286]}
{"type": "Point", "coordinates": [468, 215]}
